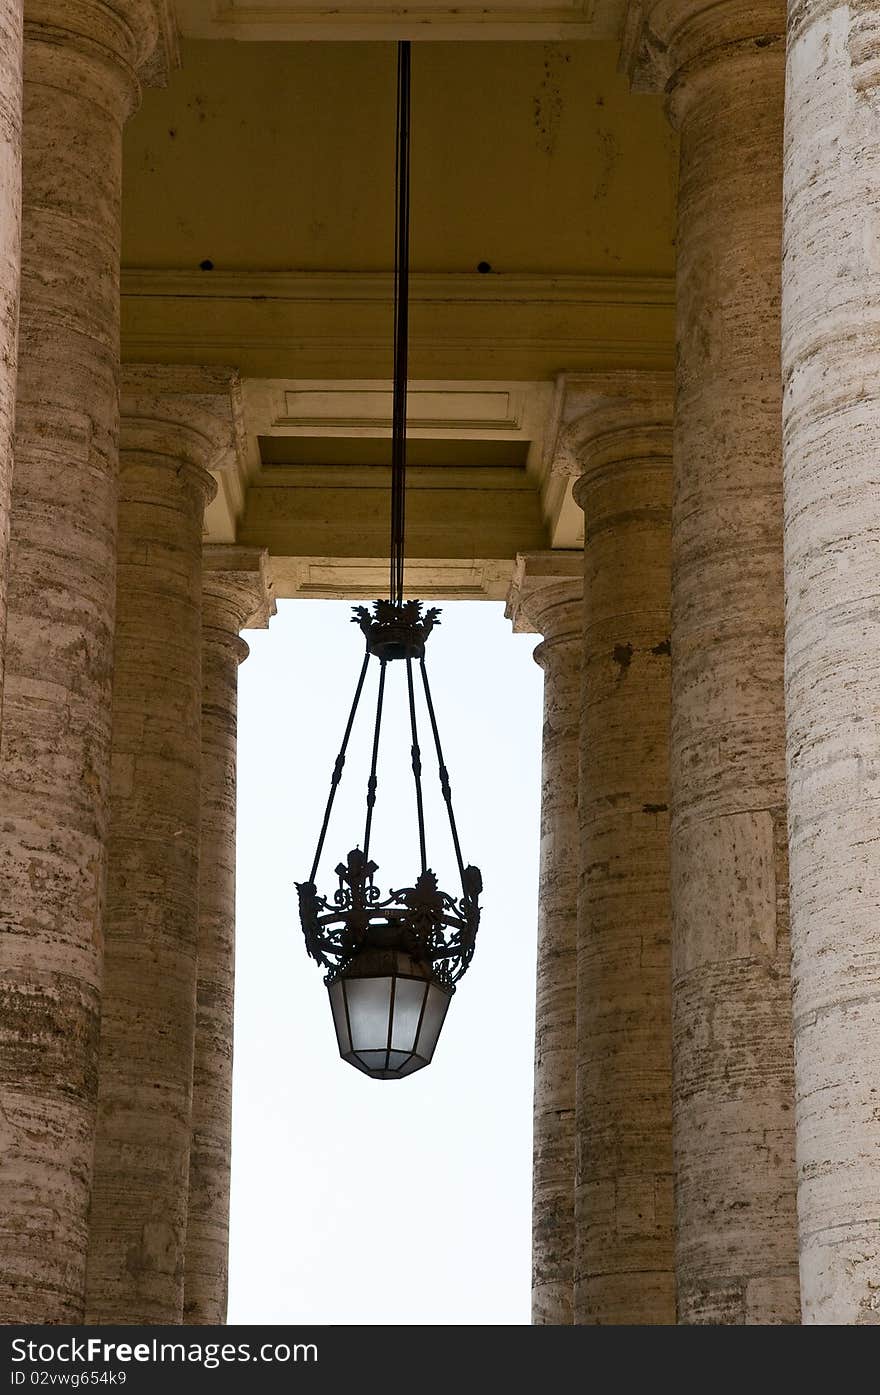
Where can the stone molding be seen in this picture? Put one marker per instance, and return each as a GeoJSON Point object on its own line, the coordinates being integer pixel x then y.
{"type": "Point", "coordinates": [364, 578]}
{"type": "Point", "coordinates": [309, 20]}
{"type": "Point", "coordinates": [336, 322]}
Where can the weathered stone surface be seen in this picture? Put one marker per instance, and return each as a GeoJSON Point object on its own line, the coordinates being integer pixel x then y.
{"type": "Point", "coordinates": [831, 363]}
{"type": "Point", "coordinates": [139, 1197]}
{"type": "Point", "coordinates": [80, 61]}
{"type": "Point", "coordinates": [547, 596]}
{"type": "Point", "coordinates": [10, 262]}
{"type": "Point", "coordinates": [733, 1067]}
{"type": "Point", "coordinates": [622, 449]}
{"type": "Point", "coordinates": [236, 594]}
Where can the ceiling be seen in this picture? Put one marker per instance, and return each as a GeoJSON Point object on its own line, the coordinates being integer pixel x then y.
{"type": "Point", "coordinates": [257, 235]}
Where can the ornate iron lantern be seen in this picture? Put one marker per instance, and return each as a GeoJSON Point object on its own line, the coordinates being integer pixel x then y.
{"type": "Point", "coordinates": [392, 962]}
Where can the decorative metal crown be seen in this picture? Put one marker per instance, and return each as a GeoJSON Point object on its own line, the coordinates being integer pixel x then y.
{"type": "Point", "coordinates": [422, 920]}
{"type": "Point", "coordinates": [396, 631]}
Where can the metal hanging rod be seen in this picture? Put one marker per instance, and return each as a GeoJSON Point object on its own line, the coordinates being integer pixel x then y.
{"type": "Point", "coordinates": [401, 322]}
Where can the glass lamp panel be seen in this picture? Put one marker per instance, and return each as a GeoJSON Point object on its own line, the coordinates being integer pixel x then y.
{"type": "Point", "coordinates": [409, 996]}
{"type": "Point", "coordinates": [354, 1060]}
{"type": "Point", "coordinates": [337, 1006]}
{"type": "Point", "coordinates": [413, 1064]}
{"type": "Point", "coordinates": [435, 1013]}
{"type": "Point", "coordinates": [374, 1060]}
{"type": "Point", "coordinates": [396, 1059]}
{"type": "Point", "coordinates": [369, 1005]}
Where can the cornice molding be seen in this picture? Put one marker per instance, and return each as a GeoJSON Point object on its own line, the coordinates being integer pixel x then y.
{"type": "Point", "coordinates": [363, 578]}
{"type": "Point", "coordinates": [334, 324]}
{"type": "Point", "coordinates": [509, 288]}
{"type": "Point", "coordinates": [428, 19]}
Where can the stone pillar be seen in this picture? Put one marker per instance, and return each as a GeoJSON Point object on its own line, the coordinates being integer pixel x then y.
{"type": "Point", "coordinates": [236, 595]}
{"type": "Point", "coordinates": [547, 597]}
{"type": "Point", "coordinates": [733, 1066]}
{"type": "Point", "coordinates": [620, 447]}
{"type": "Point", "coordinates": [80, 83]}
{"type": "Point", "coordinates": [10, 258]}
{"type": "Point", "coordinates": [831, 360]}
{"type": "Point", "coordinates": [139, 1197]}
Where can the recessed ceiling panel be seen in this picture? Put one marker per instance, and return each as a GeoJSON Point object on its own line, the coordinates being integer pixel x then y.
{"type": "Point", "coordinates": [371, 450]}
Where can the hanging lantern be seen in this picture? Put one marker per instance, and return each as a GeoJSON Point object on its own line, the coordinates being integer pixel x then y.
{"type": "Point", "coordinates": [392, 963]}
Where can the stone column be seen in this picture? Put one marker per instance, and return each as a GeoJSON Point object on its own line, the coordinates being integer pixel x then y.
{"type": "Point", "coordinates": [620, 447]}
{"type": "Point", "coordinates": [139, 1198]}
{"type": "Point", "coordinates": [10, 258]}
{"type": "Point", "coordinates": [831, 361]}
{"type": "Point", "coordinates": [733, 1066]}
{"type": "Point", "coordinates": [236, 595]}
{"type": "Point", "coordinates": [547, 597]}
{"type": "Point", "coordinates": [80, 83]}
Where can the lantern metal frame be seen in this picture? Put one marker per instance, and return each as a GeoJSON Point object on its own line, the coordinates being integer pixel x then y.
{"type": "Point", "coordinates": [422, 920]}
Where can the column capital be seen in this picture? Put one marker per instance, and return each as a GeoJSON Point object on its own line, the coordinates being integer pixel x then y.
{"type": "Point", "coordinates": [237, 589]}
{"type": "Point", "coordinates": [667, 42]}
{"type": "Point", "coordinates": [546, 596]}
{"type": "Point", "coordinates": [189, 416]}
{"type": "Point", "coordinates": [610, 420]}
{"type": "Point", "coordinates": [136, 37]}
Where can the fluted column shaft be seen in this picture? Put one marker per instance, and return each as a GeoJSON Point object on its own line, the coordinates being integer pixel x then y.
{"type": "Point", "coordinates": [234, 595]}
{"type": "Point", "coordinates": [547, 597]}
{"type": "Point", "coordinates": [10, 262]}
{"type": "Point", "coordinates": [80, 61]}
{"type": "Point", "coordinates": [732, 1050]}
{"type": "Point", "coordinates": [831, 363]}
{"type": "Point", "coordinates": [624, 1263]}
{"type": "Point", "coordinates": [139, 1200]}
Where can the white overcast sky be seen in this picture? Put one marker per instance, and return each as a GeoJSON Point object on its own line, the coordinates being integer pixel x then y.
{"type": "Point", "coordinates": [383, 1202]}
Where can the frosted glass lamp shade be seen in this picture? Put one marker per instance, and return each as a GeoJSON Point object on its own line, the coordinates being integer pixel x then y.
{"type": "Point", "coordinates": [387, 1010]}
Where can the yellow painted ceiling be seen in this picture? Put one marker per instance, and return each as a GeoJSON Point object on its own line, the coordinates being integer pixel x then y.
{"type": "Point", "coordinates": [535, 158]}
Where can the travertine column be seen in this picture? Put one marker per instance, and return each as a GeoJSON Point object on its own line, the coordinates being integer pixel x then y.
{"type": "Point", "coordinates": [733, 1066]}
{"type": "Point", "coordinates": [547, 598]}
{"type": "Point", "coordinates": [139, 1196]}
{"type": "Point", "coordinates": [10, 255]}
{"type": "Point", "coordinates": [80, 83]}
{"type": "Point", "coordinates": [236, 595]}
{"type": "Point", "coordinates": [831, 363]}
{"type": "Point", "coordinates": [621, 448]}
